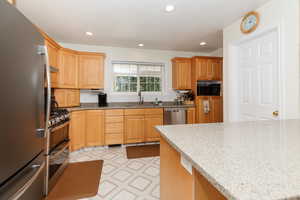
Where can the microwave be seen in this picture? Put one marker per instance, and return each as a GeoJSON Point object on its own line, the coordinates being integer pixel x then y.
{"type": "Point", "coordinates": [209, 88]}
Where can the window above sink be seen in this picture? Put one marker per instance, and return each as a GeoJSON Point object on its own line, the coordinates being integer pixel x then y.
{"type": "Point", "coordinates": [131, 77]}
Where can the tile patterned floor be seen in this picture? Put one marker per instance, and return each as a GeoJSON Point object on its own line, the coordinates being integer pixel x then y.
{"type": "Point", "coordinates": [123, 179]}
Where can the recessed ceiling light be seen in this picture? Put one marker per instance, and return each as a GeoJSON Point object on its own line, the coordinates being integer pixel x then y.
{"type": "Point", "coordinates": [170, 8]}
{"type": "Point", "coordinates": [141, 45]}
{"type": "Point", "coordinates": [203, 43]}
{"type": "Point", "coordinates": [89, 33]}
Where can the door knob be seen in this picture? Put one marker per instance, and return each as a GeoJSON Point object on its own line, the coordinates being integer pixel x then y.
{"type": "Point", "coordinates": [276, 113]}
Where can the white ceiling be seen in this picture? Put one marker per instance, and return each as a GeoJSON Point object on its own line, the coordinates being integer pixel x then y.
{"type": "Point", "coordinates": [126, 23]}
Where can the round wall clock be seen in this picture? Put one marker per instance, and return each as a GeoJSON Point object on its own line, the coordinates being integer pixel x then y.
{"type": "Point", "coordinates": [250, 22]}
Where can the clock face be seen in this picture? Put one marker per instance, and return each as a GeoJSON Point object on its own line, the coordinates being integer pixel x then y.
{"type": "Point", "coordinates": [250, 22]}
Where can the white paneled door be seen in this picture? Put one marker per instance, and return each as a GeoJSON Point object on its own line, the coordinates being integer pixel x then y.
{"type": "Point", "coordinates": [258, 81]}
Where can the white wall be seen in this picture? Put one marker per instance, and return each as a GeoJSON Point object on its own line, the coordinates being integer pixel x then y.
{"type": "Point", "coordinates": [217, 53]}
{"type": "Point", "coordinates": [284, 16]}
{"type": "Point", "coordinates": [130, 54]}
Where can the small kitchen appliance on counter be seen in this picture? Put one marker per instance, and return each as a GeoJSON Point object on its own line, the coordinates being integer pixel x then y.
{"type": "Point", "coordinates": [102, 99]}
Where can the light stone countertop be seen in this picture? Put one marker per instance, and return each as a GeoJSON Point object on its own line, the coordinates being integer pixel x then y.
{"type": "Point", "coordinates": [246, 160]}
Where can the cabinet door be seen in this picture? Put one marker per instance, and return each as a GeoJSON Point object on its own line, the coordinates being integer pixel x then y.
{"type": "Point", "coordinates": [134, 129]}
{"type": "Point", "coordinates": [52, 54]}
{"type": "Point", "coordinates": [94, 128]}
{"type": "Point", "coordinates": [201, 66]}
{"type": "Point", "coordinates": [77, 130]}
{"type": "Point", "coordinates": [151, 134]}
{"type": "Point", "coordinates": [201, 115]}
{"type": "Point", "coordinates": [217, 69]}
{"type": "Point", "coordinates": [73, 98]}
{"type": "Point", "coordinates": [53, 62]}
{"type": "Point", "coordinates": [182, 74]}
{"type": "Point", "coordinates": [191, 116]}
{"type": "Point", "coordinates": [91, 72]}
{"type": "Point", "coordinates": [216, 113]}
{"type": "Point", "coordinates": [208, 68]}
{"type": "Point", "coordinates": [68, 69]}
{"type": "Point", "coordinates": [61, 97]}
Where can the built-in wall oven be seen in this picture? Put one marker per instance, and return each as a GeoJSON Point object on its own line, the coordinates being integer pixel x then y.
{"type": "Point", "coordinates": [209, 88]}
{"type": "Point", "coordinates": [58, 146]}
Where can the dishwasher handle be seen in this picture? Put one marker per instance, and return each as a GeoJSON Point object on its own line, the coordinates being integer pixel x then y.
{"type": "Point", "coordinates": [174, 109]}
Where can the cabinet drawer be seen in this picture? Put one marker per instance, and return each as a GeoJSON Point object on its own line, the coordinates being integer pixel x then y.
{"type": "Point", "coordinates": [114, 112]}
{"type": "Point", "coordinates": [114, 119]}
{"type": "Point", "coordinates": [114, 139]}
{"type": "Point", "coordinates": [154, 111]}
{"type": "Point", "coordinates": [114, 128]}
{"type": "Point", "coordinates": [134, 111]}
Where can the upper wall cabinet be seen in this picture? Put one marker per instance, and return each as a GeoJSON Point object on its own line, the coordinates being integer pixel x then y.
{"type": "Point", "coordinates": [76, 70]}
{"type": "Point", "coordinates": [52, 49]}
{"type": "Point", "coordinates": [68, 68]}
{"type": "Point", "coordinates": [91, 70]}
{"type": "Point", "coordinates": [207, 68]}
{"type": "Point", "coordinates": [181, 73]}
{"type": "Point", "coordinates": [52, 53]}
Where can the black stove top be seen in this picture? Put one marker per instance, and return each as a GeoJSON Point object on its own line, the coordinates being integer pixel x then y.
{"type": "Point", "coordinates": [58, 116]}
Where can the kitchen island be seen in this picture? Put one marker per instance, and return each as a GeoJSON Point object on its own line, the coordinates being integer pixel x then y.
{"type": "Point", "coordinates": [239, 161]}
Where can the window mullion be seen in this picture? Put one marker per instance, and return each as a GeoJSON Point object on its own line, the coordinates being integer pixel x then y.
{"type": "Point", "coordinates": [138, 78]}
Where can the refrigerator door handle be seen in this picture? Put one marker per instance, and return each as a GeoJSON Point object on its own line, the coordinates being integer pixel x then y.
{"type": "Point", "coordinates": [44, 51]}
{"type": "Point", "coordinates": [22, 190]}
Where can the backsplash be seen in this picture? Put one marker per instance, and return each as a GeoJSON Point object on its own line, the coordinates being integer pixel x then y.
{"type": "Point", "coordinates": [91, 97]}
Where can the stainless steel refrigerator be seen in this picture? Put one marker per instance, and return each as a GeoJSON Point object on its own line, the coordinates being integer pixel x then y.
{"type": "Point", "coordinates": [22, 103]}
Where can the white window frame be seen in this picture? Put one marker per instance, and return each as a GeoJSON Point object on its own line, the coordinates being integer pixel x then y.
{"type": "Point", "coordinates": [162, 65]}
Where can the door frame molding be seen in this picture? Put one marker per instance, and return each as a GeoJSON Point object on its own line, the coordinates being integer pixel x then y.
{"type": "Point", "coordinates": [231, 94]}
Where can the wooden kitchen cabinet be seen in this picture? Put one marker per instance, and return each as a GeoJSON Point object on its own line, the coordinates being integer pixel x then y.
{"type": "Point", "coordinates": [181, 73]}
{"type": "Point", "coordinates": [68, 69]}
{"type": "Point", "coordinates": [94, 128]}
{"type": "Point", "coordinates": [134, 128]}
{"type": "Point", "coordinates": [215, 113]}
{"type": "Point", "coordinates": [201, 115]}
{"type": "Point", "coordinates": [91, 70]}
{"type": "Point", "coordinates": [52, 48]}
{"type": "Point", "coordinates": [191, 116]}
{"type": "Point", "coordinates": [176, 183]}
{"type": "Point", "coordinates": [207, 68]}
{"type": "Point", "coordinates": [67, 97]}
{"type": "Point", "coordinates": [52, 53]}
{"type": "Point", "coordinates": [151, 135]}
{"type": "Point", "coordinates": [77, 130]}
{"type": "Point", "coordinates": [114, 126]}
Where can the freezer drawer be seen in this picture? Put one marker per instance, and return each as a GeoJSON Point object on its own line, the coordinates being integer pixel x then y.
{"type": "Point", "coordinates": [27, 184]}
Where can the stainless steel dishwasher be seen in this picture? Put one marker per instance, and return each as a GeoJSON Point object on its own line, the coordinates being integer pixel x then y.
{"type": "Point", "coordinates": [175, 116]}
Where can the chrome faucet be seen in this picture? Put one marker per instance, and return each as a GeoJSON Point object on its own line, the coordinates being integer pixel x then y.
{"type": "Point", "coordinates": [141, 99]}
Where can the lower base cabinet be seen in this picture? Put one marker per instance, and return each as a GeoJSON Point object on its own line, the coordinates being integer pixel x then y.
{"type": "Point", "coordinates": [117, 126]}
{"type": "Point", "coordinates": [140, 125]}
{"type": "Point", "coordinates": [177, 183]}
{"type": "Point", "coordinates": [209, 109]}
{"type": "Point", "coordinates": [191, 116]}
{"type": "Point", "coordinates": [151, 135]}
{"type": "Point", "coordinates": [134, 128]}
{"type": "Point", "coordinates": [114, 127]}
{"type": "Point", "coordinates": [86, 129]}
{"type": "Point", "coordinates": [77, 130]}
{"type": "Point", "coordinates": [94, 128]}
